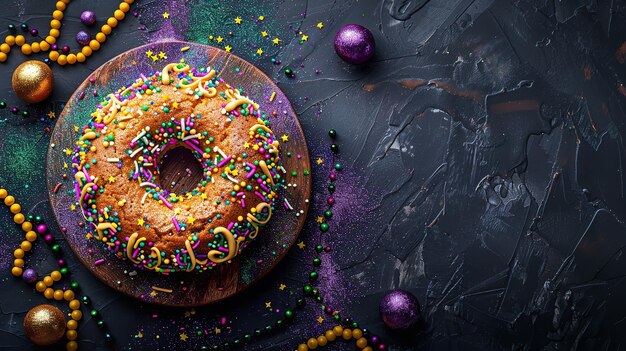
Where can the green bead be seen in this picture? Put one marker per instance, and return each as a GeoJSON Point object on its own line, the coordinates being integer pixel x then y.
{"type": "Point", "coordinates": [3, 104]}
{"type": "Point", "coordinates": [247, 337]}
{"type": "Point", "coordinates": [74, 285]}
{"type": "Point", "coordinates": [37, 219]}
{"type": "Point", "coordinates": [85, 299]}
{"type": "Point", "coordinates": [331, 188]}
{"type": "Point", "coordinates": [288, 72]}
{"type": "Point", "coordinates": [334, 148]}
{"type": "Point", "coordinates": [307, 289]}
{"type": "Point", "coordinates": [317, 262]}
{"type": "Point", "coordinates": [324, 227]}
{"type": "Point", "coordinates": [56, 248]}
{"type": "Point", "coordinates": [313, 276]}
{"type": "Point", "coordinates": [236, 342]}
{"type": "Point", "coordinates": [328, 214]}
{"type": "Point", "coordinates": [289, 314]}
{"type": "Point", "coordinates": [318, 299]}
{"type": "Point", "coordinates": [319, 248]}
{"type": "Point", "coordinates": [315, 292]}
{"type": "Point", "coordinates": [257, 332]}
{"type": "Point", "coordinates": [355, 325]}
{"type": "Point", "coordinates": [268, 328]}
{"type": "Point", "coordinates": [279, 323]}
{"type": "Point", "coordinates": [301, 302]}
{"type": "Point", "coordinates": [338, 166]}
{"type": "Point", "coordinates": [93, 313]}
{"type": "Point", "coordinates": [294, 173]}
{"type": "Point", "coordinates": [337, 317]}
{"type": "Point", "coordinates": [332, 133]}
{"type": "Point", "coordinates": [101, 324]}
{"type": "Point", "coordinates": [63, 271]}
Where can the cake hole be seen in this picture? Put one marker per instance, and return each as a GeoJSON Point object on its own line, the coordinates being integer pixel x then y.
{"type": "Point", "coordinates": [180, 171]}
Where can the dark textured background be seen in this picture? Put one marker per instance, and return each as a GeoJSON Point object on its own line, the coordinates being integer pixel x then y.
{"type": "Point", "coordinates": [484, 171]}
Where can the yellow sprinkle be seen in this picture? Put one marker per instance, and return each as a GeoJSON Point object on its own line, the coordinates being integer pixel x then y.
{"type": "Point", "coordinates": [183, 49]}
{"type": "Point", "coordinates": [273, 96]}
{"type": "Point", "coordinates": [162, 289]}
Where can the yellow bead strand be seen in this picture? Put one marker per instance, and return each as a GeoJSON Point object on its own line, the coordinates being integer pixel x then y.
{"type": "Point", "coordinates": [336, 333]}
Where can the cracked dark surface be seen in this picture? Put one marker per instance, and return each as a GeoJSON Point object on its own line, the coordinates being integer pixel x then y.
{"type": "Point", "coordinates": [485, 143]}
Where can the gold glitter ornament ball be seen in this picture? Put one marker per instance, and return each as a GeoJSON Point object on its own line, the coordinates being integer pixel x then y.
{"type": "Point", "coordinates": [33, 81]}
{"type": "Point", "coordinates": [44, 325]}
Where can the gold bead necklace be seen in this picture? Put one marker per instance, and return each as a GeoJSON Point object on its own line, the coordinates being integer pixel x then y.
{"type": "Point", "coordinates": [55, 32]}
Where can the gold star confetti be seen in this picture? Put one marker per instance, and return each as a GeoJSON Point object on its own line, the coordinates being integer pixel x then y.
{"type": "Point", "coordinates": [285, 138]}
{"type": "Point", "coordinates": [268, 304]}
{"type": "Point", "coordinates": [320, 319]}
{"type": "Point", "coordinates": [162, 55]}
{"type": "Point", "coordinates": [304, 37]}
{"type": "Point", "coordinates": [153, 293]}
{"type": "Point", "coordinates": [65, 165]}
{"type": "Point", "coordinates": [154, 58]}
{"type": "Point", "coordinates": [264, 33]}
{"type": "Point", "coordinates": [190, 220]}
{"type": "Point", "coordinates": [320, 161]}
{"type": "Point", "coordinates": [149, 53]}
{"type": "Point", "coordinates": [51, 114]}
{"type": "Point", "coordinates": [259, 51]}
{"type": "Point", "coordinates": [134, 62]}
{"type": "Point", "coordinates": [301, 245]}
{"type": "Point", "coordinates": [111, 179]}
{"type": "Point", "coordinates": [261, 18]}
{"type": "Point", "coordinates": [320, 219]}
{"type": "Point", "coordinates": [246, 145]}
{"type": "Point", "coordinates": [140, 221]}
{"type": "Point", "coordinates": [238, 20]}
{"type": "Point", "coordinates": [203, 196]}
{"type": "Point", "coordinates": [276, 41]}
{"type": "Point", "coordinates": [166, 15]}
{"type": "Point", "coordinates": [73, 207]}
{"type": "Point", "coordinates": [227, 48]}
{"type": "Point", "coordinates": [320, 25]}
{"type": "Point", "coordinates": [139, 335]}
{"type": "Point", "coordinates": [219, 39]}
{"type": "Point", "coordinates": [282, 287]}
{"type": "Point", "coordinates": [183, 337]}
{"type": "Point", "coordinates": [175, 105]}
{"type": "Point", "coordinates": [218, 330]}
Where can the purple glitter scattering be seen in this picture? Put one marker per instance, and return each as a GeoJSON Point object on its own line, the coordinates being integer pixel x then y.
{"type": "Point", "coordinates": [399, 309]}
{"type": "Point", "coordinates": [355, 44]}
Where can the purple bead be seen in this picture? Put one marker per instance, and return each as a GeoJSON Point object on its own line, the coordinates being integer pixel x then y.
{"type": "Point", "coordinates": [48, 238]}
{"type": "Point", "coordinates": [399, 310]}
{"type": "Point", "coordinates": [54, 47]}
{"type": "Point", "coordinates": [61, 262]}
{"type": "Point", "coordinates": [354, 43]}
{"type": "Point", "coordinates": [375, 339]}
{"type": "Point", "coordinates": [331, 201]}
{"type": "Point", "coordinates": [14, 110]}
{"type": "Point", "coordinates": [83, 37]}
{"type": "Point", "coordinates": [88, 18]}
{"type": "Point", "coordinates": [29, 275]}
{"type": "Point", "coordinates": [34, 32]}
{"type": "Point", "coordinates": [42, 229]}
{"type": "Point", "coordinates": [382, 347]}
{"type": "Point", "coordinates": [65, 49]}
{"type": "Point", "coordinates": [332, 176]}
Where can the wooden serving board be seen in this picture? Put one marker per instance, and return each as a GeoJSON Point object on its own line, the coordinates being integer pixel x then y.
{"type": "Point", "coordinates": [180, 289]}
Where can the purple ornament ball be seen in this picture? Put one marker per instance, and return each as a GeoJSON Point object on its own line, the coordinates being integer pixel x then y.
{"type": "Point", "coordinates": [355, 44]}
{"type": "Point", "coordinates": [399, 310]}
{"type": "Point", "coordinates": [29, 275]}
{"type": "Point", "coordinates": [83, 38]}
{"type": "Point", "coordinates": [88, 18]}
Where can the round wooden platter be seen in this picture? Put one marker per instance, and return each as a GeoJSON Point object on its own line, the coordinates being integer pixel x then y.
{"type": "Point", "coordinates": [180, 289]}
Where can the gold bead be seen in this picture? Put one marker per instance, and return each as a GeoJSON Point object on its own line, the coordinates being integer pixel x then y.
{"type": "Point", "coordinates": [357, 333]}
{"type": "Point", "coordinates": [60, 6]}
{"type": "Point", "coordinates": [338, 330]}
{"type": "Point", "coordinates": [347, 334]}
{"type": "Point", "coordinates": [62, 60]}
{"type": "Point", "coordinates": [72, 324]}
{"type": "Point", "coordinates": [40, 286]}
{"type": "Point", "coordinates": [32, 81]}
{"type": "Point", "coordinates": [106, 29]}
{"type": "Point", "coordinates": [71, 59]}
{"type": "Point", "coordinates": [124, 7]}
{"type": "Point", "coordinates": [94, 45]}
{"type": "Point", "coordinates": [26, 226]}
{"type": "Point", "coordinates": [119, 15]}
{"type": "Point", "coordinates": [55, 24]}
{"type": "Point", "coordinates": [86, 50]}
{"type": "Point", "coordinates": [322, 341]}
{"type": "Point", "coordinates": [58, 295]}
{"type": "Point", "coordinates": [3, 57]}
{"type": "Point", "coordinates": [56, 276]}
{"type": "Point", "coordinates": [19, 218]}
{"type": "Point", "coordinates": [3, 193]}
{"type": "Point", "coordinates": [48, 293]}
{"type": "Point", "coordinates": [15, 208]}
{"type": "Point", "coordinates": [71, 334]}
{"type": "Point", "coordinates": [18, 253]}
{"type": "Point", "coordinates": [55, 33]}
{"type": "Point", "coordinates": [74, 304]}
{"type": "Point", "coordinates": [330, 335]}
{"type": "Point", "coordinates": [129, 1]}
{"type": "Point", "coordinates": [10, 39]}
{"type": "Point", "coordinates": [57, 15]}
{"type": "Point", "coordinates": [312, 343]}
{"type": "Point", "coordinates": [18, 262]}
{"type": "Point", "coordinates": [368, 349]}
{"type": "Point", "coordinates": [48, 280]}
{"type": "Point", "coordinates": [9, 200]}
{"type": "Point", "coordinates": [361, 342]}
{"type": "Point", "coordinates": [71, 346]}
{"type": "Point", "coordinates": [44, 45]}
{"type": "Point", "coordinates": [101, 37]}
{"type": "Point", "coordinates": [20, 40]}
{"type": "Point", "coordinates": [5, 48]}
{"type": "Point", "coordinates": [44, 325]}
{"type": "Point", "coordinates": [68, 295]}
{"type": "Point", "coordinates": [303, 347]}
{"type": "Point", "coordinates": [53, 55]}
{"type": "Point", "coordinates": [26, 245]}
{"type": "Point", "coordinates": [51, 40]}
{"type": "Point", "coordinates": [16, 271]}
{"type": "Point", "coordinates": [111, 21]}
{"type": "Point", "coordinates": [80, 57]}
{"type": "Point", "coordinates": [35, 47]}
{"type": "Point", "coordinates": [31, 236]}
{"type": "Point", "coordinates": [76, 315]}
